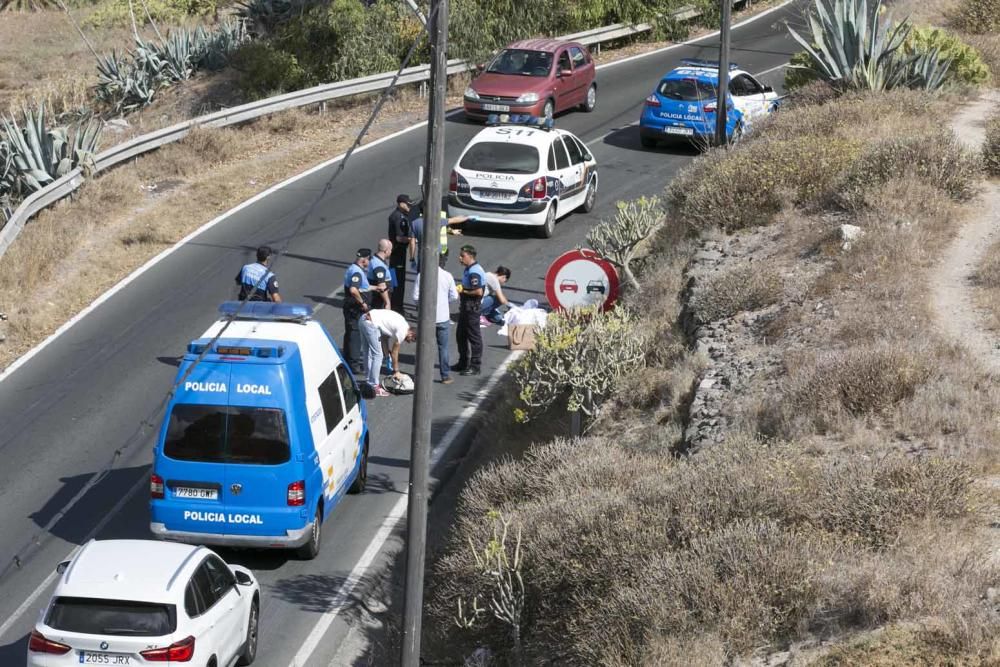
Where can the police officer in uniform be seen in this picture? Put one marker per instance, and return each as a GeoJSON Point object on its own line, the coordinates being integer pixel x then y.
{"type": "Point", "coordinates": [356, 304]}
{"type": "Point", "coordinates": [256, 281]}
{"type": "Point", "coordinates": [399, 234]}
{"type": "Point", "coordinates": [467, 333]}
{"type": "Point", "coordinates": [379, 276]}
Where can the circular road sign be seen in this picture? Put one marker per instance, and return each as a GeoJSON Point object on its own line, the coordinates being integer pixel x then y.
{"type": "Point", "coordinates": [579, 278]}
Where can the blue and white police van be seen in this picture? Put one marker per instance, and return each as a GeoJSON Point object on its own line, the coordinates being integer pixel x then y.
{"type": "Point", "coordinates": [262, 438]}
{"type": "Point", "coordinates": [682, 106]}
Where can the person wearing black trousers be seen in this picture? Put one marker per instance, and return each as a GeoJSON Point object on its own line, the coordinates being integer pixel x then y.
{"type": "Point", "coordinates": [467, 333]}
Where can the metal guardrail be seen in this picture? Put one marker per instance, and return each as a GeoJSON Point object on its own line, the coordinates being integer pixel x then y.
{"type": "Point", "coordinates": [146, 143]}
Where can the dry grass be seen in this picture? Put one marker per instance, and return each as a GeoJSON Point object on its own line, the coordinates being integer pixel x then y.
{"type": "Point", "coordinates": [745, 287]}
{"type": "Point", "coordinates": [987, 281]}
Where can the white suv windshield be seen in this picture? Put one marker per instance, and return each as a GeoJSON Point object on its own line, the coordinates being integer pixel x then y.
{"type": "Point", "coordinates": [501, 158]}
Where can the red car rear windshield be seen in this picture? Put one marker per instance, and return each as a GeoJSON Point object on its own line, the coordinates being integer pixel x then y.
{"type": "Point", "coordinates": [521, 62]}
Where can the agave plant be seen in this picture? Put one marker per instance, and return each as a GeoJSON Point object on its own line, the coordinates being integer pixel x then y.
{"type": "Point", "coordinates": [266, 15]}
{"type": "Point", "coordinates": [852, 47]}
{"type": "Point", "coordinates": [6, 181]}
{"type": "Point", "coordinates": [40, 154]}
{"type": "Point", "coordinates": [126, 85]}
{"type": "Point", "coordinates": [27, 5]}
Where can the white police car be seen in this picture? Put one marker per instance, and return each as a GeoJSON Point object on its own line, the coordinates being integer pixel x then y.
{"type": "Point", "coordinates": [520, 170]}
{"type": "Point", "coordinates": [263, 438]}
{"type": "Point", "coordinates": [141, 602]}
{"type": "Point", "coordinates": [682, 106]}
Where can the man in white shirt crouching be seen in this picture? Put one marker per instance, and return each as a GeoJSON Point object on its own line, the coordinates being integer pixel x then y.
{"type": "Point", "coordinates": [389, 325]}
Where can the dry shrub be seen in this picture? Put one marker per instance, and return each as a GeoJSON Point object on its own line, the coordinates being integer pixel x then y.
{"type": "Point", "coordinates": [828, 388]}
{"type": "Point", "coordinates": [746, 287]}
{"type": "Point", "coordinates": [630, 556]}
{"type": "Point", "coordinates": [991, 147]}
{"type": "Point", "coordinates": [977, 16]}
{"type": "Point", "coordinates": [873, 499]}
{"type": "Point", "coordinates": [988, 272]}
{"type": "Point", "coordinates": [988, 46]}
{"type": "Point", "coordinates": [748, 185]}
{"type": "Point", "coordinates": [202, 148]}
{"type": "Point", "coordinates": [937, 160]}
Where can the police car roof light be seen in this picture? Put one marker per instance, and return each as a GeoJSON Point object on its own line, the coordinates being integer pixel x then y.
{"type": "Point", "coordinates": [711, 64]}
{"type": "Point", "coordinates": [519, 119]}
{"type": "Point", "coordinates": [266, 310]}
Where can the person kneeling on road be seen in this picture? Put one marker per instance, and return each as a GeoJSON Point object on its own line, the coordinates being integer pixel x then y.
{"type": "Point", "coordinates": [495, 299]}
{"type": "Point", "coordinates": [393, 327]}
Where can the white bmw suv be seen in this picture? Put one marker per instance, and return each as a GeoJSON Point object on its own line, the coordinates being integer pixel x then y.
{"type": "Point", "coordinates": [523, 171]}
{"type": "Point", "coordinates": [145, 602]}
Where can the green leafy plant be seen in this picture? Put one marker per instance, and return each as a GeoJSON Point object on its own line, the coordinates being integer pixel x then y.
{"type": "Point", "coordinates": [267, 70]}
{"type": "Point", "coordinates": [40, 154]}
{"type": "Point", "coordinates": [118, 12]}
{"type": "Point", "coordinates": [852, 47]}
{"type": "Point", "coordinates": [966, 64]}
{"type": "Point", "coordinates": [618, 240]}
{"type": "Point", "coordinates": [580, 354]}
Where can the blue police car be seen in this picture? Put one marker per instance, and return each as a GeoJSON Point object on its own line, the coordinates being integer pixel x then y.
{"type": "Point", "coordinates": [682, 106]}
{"type": "Point", "coordinates": [262, 438]}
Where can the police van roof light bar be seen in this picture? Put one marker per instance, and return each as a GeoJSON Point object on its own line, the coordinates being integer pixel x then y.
{"type": "Point", "coordinates": [266, 310]}
{"type": "Point", "coordinates": [710, 64]}
{"type": "Point", "coordinates": [519, 119]}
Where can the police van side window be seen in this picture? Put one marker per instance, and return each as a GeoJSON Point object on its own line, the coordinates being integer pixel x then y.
{"type": "Point", "coordinates": [562, 160]}
{"type": "Point", "coordinates": [351, 397]}
{"type": "Point", "coordinates": [552, 157]}
{"type": "Point", "coordinates": [329, 396]}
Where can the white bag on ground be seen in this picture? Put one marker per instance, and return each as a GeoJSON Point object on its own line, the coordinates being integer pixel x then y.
{"type": "Point", "coordinates": [529, 313]}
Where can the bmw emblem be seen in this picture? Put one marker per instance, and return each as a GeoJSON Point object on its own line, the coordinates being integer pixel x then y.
{"type": "Point", "coordinates": [236, 488]}
{"type": "Point", "coordinates": [104, 646]}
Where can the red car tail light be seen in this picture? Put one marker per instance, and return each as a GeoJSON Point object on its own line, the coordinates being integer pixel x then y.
{"type": "Point", "coordinates": [538, 188]}
{"type": "Point", "coordinates": [181, 651]}
{"type": "Point", "coordinates": [453, 181]}
{"type": "Point", "coordinates": [653, 101]}
{"type": "Point", "coordinates": [155, 487]}
{"type": "Point", "coordinates": [297, 493]}
{"type": "Point", "coordinates": [40, 644]}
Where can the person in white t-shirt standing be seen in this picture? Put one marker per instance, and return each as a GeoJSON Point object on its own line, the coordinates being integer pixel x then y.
{"type": "Point", "coordinates": [446, 293]}
{"type": "Point", "coordinates": [377, 325]}
{"type": "Point", "coordinates": [495, 298]}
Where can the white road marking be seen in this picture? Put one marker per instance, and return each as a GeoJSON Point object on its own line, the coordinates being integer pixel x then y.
{"type": "Point", "coordinates": [392, 520]}
{"type": "Point", "coordinates": [42, 587]}
{"type": "Point", "coordinates": [771, 69]}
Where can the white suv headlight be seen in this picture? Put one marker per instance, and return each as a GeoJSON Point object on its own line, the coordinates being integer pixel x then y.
{"type": "Point", "coordinates": [527, 98]}
{"type": "Point", "coordinates": [472, 94]}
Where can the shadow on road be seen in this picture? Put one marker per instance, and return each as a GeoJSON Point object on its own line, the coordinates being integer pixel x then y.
{"type": "Point", "coordinates": [14, 653]}
{"type": "Point", "coordinates": [627, 138]}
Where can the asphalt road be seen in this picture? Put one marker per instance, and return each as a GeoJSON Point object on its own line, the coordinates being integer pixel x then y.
{"type": "Point", "coordinates": [69, 408]}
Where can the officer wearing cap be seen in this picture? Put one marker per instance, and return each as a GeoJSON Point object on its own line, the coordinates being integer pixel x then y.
{"type": "Point", "coordinates": [399, 234]}
{"type": "Point", "coordinates": [467, 333]}
{"type": "Point", "coordinates": [257, 282]}
{"type": "Point", "coordinates": [356, 291]}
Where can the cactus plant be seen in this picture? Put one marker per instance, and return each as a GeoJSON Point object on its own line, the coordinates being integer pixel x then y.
{"type": "Point", "coordinates": [851, 47]}
{"type": "Point", "coordinates": [40, 154]}
{"type": "Point", "coordinates": [27, 5]}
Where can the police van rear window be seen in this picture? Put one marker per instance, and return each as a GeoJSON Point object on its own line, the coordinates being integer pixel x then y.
{"type": "Point", "coordinates": [227, 434]}
{"type": "Point", "coordinates": [501, 158]}
{"type": "Point", "coordinates": [95, 616]}
{"type": "Point", "coordinates": [687, 90]}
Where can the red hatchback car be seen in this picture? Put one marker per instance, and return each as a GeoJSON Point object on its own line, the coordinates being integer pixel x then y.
{"type": "Point", "coordinates": [539, 77]}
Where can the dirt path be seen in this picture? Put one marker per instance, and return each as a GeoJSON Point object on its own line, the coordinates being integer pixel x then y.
{"type": "Point", "coordinates": [952, 303]}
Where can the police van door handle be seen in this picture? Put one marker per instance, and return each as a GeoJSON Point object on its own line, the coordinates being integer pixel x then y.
{"type": "Point", "coordinates": [348, 424]}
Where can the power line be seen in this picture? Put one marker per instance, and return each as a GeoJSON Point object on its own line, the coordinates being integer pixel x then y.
{"type": "Point", "coordinates": [138, 436]}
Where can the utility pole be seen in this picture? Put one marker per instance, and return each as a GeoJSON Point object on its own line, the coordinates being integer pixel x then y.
{"type": "Point", "coordinates": [420, 434]}
{"type": "Point", "coordinates": [721, 110]}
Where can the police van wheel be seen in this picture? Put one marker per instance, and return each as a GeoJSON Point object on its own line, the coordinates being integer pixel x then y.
{"type": "Point", "coordinates": [362, 479]}
{"type": "Point", "coordinates": [310, 549]}
{"type": "Point", "coordinates": [548, 228]}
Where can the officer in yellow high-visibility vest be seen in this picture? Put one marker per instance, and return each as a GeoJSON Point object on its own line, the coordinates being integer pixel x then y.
{"type": "Point", "coordinates": [446, 227]}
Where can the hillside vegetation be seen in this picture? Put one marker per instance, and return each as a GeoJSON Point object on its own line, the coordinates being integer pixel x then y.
{"type": "Point", "coordinates": [801, 466]}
